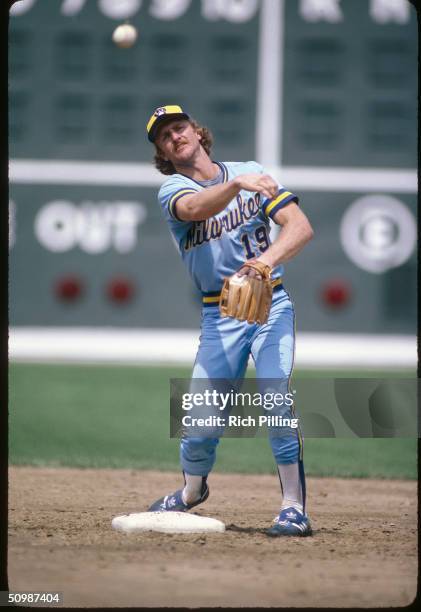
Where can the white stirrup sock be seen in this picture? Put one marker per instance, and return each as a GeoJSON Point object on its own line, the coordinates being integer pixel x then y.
{"type": "Point", "coordinates": [291, 486]}
{"type": "Point", "coordinates": [192, 489]}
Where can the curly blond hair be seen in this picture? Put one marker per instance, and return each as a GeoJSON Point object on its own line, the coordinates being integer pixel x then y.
{"type": "Point", "coordinates": [167, 167]}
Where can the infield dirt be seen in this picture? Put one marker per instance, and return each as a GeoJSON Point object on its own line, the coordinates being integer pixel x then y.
{"type": "Point", "coordinates": [363, 552]}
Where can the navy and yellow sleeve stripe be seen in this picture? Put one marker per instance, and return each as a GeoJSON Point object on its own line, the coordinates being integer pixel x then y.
{"type": "Point", "coordinates": [271, 207]}
{"type": "Point", "coordinates": [174, 199]}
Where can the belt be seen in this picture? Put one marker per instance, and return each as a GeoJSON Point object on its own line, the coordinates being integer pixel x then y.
{"type": "Point", "coordinates": [211, 298]}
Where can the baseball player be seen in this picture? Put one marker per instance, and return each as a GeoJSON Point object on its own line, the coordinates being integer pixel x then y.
{"type": "Point", "coordinates": [218, 213]}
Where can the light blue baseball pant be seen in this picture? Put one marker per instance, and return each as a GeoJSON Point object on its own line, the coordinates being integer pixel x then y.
{"type": "Point", "coordinates": [224, 350]}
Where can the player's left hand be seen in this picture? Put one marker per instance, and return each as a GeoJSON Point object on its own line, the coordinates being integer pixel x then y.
{"type": "Point", "coordinates": [247, 294]}
{"type": "Point", "coordinates": [245, 270]}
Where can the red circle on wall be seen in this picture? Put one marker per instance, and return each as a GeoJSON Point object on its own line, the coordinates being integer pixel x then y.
{"type": "Point", "coordinates": [120, 290]}
{"type": "Point", "coordinates": [69, 288]}
{"type": "Point", "coordinates": [336, 294]}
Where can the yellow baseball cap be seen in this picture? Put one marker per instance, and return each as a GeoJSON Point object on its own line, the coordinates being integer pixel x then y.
{"type": "Point", "coordinates": [163, 113]}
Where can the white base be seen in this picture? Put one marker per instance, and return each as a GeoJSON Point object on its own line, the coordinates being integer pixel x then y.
{"type": "Point", "coordinates": [166, 522]}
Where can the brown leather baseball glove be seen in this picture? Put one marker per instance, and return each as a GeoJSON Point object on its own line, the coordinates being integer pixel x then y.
{"type": "Point", "coordinates": [246, 298]}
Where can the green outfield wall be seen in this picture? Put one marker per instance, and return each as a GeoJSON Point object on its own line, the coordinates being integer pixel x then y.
{"type": "Point", "coordinates": [324, 94]}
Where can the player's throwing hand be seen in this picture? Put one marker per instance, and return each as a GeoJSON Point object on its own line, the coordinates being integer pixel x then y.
{"type": "Point", "coordinates": [259, 183]}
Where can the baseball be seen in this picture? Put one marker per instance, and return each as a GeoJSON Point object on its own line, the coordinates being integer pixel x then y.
{"type": "Point", "coordinates": [125, 35]}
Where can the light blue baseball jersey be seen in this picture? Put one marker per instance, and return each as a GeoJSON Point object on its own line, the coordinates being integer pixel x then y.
{"type": "Point", "coordinates": [217, 247]}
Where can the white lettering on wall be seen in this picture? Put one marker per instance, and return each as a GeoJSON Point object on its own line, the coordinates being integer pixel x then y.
{"type": "Point", "coordinates": [321, 10]}
{"type": "Point", "coordinates": [385, 11]}
{"type": "Point", "coordinates": [72, 7]}
{"type": "Point", "coordinates": [378, 232]}
{"type": "Point", "coordinates": [55, 226]}
{"type": "Point", "coordinates": [19, 8]}
{"type": "Point", "coordinates": [236, 11]}
{"type": "Point", "coordinates": [94, 227]}
{"type": "Point", "coordinates": [168, 9]}
{"type": "Point", "coordinates": [119, 9]}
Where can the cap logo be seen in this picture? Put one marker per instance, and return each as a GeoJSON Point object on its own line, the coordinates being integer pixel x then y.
{"type": "Point", "coordinates": [172, 110]}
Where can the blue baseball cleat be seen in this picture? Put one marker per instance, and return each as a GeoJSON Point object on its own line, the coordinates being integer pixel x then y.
{"type": "Point", "coordinates": [174, 502]}
{"type": "Point", "coordinates": [290, 522]}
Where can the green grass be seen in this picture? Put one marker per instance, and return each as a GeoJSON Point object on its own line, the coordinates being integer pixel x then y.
{"type": "Point", "coordinates": [115, 416]}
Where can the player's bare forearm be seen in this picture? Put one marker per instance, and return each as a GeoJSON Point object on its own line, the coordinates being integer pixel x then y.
{"type": "Point", "coordinates": [296, 232]}
{"type": "Point", "coordinates": [212, 200]}
{"type": "Point", "coordinates": [206, 203]}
